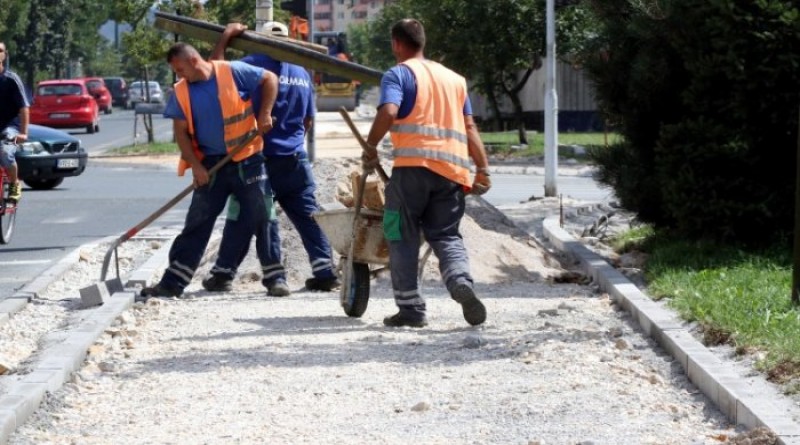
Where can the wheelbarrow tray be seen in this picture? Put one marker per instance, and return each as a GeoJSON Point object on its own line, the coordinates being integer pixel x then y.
{"type": "Point", "coordinates": [370, 244]}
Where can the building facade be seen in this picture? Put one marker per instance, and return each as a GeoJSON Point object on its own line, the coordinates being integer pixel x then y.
{"type": "Point", "coordinates": [338, 15]}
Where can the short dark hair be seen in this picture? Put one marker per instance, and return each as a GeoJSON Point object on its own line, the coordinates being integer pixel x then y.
{"type": "Point", "coordinates": [409, 32]}
{"type": "Point", "coordinates": [181, 50]}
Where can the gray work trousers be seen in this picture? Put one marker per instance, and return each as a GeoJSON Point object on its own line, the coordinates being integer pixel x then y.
{"type": "Point", "coordinates": [421, 202]}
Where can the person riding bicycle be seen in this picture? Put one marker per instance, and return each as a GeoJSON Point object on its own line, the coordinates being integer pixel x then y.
{"type": "Point", "coordinates": [13, 121]}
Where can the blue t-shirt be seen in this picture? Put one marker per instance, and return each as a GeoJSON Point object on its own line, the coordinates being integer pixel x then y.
{"type": "Point", "coordinates": [206, 109]}
{"type": "Point", "coordinates": [295, 102]}
{"type": "Point", "coordinates": [12, 98]}
{"type": "Point", "coordinates": [399, 87]}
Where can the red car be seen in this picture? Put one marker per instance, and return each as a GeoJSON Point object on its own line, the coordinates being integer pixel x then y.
{"type": "Point", "coordinates": [97, 88]}
{"type": "Point", "coordinates": [65, 104]}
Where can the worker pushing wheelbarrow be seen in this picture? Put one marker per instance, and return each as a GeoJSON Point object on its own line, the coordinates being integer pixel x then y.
{"type": "Point", "coordinates": [357, 235]}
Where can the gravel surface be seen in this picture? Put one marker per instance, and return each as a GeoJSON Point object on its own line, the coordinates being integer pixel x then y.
{"type": "Point", "coordinates": [554, 363]}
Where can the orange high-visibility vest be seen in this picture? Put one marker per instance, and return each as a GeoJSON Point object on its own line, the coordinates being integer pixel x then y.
{"type": "Point", "coordinates": [237, 116]}
{"type": "Point", "coordinates": [434, 134]}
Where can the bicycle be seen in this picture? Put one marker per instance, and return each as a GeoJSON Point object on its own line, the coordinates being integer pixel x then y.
{"type": "Point", "coordinates": [8, 207]}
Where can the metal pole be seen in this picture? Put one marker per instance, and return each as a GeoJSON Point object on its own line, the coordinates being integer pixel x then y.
{"type": "Point", "coordinates": [796, 262]}
{"type": "Point", "coordinates": [311, 147]}
{"type": "Point", "coordinates": [264, 15]}
{"type": "Point", "coordinates": [550, 107]}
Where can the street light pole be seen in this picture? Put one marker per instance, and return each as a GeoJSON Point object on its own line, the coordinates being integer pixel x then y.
{"type": "Point", "coordinates": [796, 262]}
{"type": "Point", "coordinates": [550, 106]}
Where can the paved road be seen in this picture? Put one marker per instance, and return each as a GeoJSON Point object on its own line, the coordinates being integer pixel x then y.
{"type": "Point", "coordinates": [105, 200]}
{"type": "Point", "coordinates": [515, 188]}
{"type": "Point", "coordinates": [116, 130]}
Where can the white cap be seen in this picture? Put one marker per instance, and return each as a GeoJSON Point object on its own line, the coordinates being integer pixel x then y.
{"type": "Point", "coordinates": [273, 29]}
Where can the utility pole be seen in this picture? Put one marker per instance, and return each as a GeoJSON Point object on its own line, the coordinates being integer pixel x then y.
{"type": "Point", "coordinates": [796, 262]}
{"type": "Point", "coordinates": [550, 106]}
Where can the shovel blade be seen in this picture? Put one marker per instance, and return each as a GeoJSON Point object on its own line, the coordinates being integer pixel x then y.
{"type": "Point", "coordinates": [97, 294]}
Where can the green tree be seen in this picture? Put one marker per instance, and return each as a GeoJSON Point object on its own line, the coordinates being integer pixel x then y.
{"type": "Point", "coordinates": [705, 94]}
{"type": "Point", "coordinates": [496, 44]}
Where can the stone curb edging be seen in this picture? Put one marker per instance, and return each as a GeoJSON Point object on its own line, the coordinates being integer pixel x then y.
{"type": "Point", "coordinates": [60, 360]}
{"type": "Point", "coordinates": [58, 363]}
{"type": "Point", "coordinates": [16, 302]}
{"type": "Point", "coordinates": [731, 394]}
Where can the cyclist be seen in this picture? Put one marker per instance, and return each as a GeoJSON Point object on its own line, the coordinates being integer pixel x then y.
{"type": "Point", "coordinates": [13, 121]}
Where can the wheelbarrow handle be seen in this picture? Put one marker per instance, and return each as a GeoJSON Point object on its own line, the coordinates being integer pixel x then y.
{"type": "Point", "coordinates": [364, 146]}
{"type": "Point", "coordinates": [172, 202]}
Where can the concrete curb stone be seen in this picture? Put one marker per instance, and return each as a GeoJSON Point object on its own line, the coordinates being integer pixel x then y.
{"type": "Point", "coordinates": [59, 361]}
{"type": "Point", "coordinates": [16, 302]}
{"type": "Point", "coordinates": [735, 397]}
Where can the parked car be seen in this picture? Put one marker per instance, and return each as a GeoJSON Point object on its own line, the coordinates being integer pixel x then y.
{"type": "Point", "coordinates": [49, 156]}
{"type": "Point", "coordinates": [97, 88]}
{"type": "Point", "coordinates": [65, 104]}
{"type": "Point", "coordinates": [137, 93]}
{"type": "Point", "coordinates": [119, 91]}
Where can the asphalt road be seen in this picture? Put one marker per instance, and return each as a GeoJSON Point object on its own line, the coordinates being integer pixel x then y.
{"type": "Point", "coordinates": [107, 199]}
{"type": "Point", "coordinates": [117, 130]}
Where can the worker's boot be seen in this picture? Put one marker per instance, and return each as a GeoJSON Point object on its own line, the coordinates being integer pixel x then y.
{"type": "Point", "coordinates": [278, 288]}
{"type": "Point", "coordinates": [218, 283]}
{"type": "Point", "coordinates": [323, 284]}
{"type": "Point", "coordinates": [159, 290]}
{"type": "Point", "coordinates": [474, 311]}
{"type": "Point", "coordinates": [400, 319]}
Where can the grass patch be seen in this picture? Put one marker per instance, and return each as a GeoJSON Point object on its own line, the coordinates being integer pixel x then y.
{"type": "Point", "coordinates": [157, 148]}
{"type": "Point", "coordinates": [506, 143]}
{"type": "Point", "coordinates": [737, 296]}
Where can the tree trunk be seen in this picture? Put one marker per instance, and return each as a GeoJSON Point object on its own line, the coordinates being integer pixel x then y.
{"type": "Point", "coordinates": [519, 118]}
{"type": "Point", "coordinates": [495, 111]}
{"type": "Point", "coordinates": [148, 118]}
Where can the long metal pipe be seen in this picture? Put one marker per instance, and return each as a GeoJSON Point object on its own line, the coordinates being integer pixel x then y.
{"type": "Point", "coordinates": [282, 50]}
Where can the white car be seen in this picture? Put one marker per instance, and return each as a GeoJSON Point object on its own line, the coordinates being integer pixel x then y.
{"type": "Point", "coordinates": [137, 93]}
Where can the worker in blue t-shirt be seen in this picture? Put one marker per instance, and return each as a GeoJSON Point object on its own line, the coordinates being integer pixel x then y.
{"type": "Point", "coordinates": [290, 178]}
{"type": "Point", "coordinates": [213, 118]}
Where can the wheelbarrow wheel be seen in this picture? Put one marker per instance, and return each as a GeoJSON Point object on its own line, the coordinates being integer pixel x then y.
{"type": "Point", "coordinates": [356, 291]}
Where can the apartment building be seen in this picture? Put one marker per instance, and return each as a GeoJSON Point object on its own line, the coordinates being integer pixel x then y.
{"type": "Point", "coordinates": [337, 15]}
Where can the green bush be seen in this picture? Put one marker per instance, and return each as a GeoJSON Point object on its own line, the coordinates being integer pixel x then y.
{"type": "Point", "coordinates": [705, 94]}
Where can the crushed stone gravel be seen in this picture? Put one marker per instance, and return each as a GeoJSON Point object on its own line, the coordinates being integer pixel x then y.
{"type": "Point", "coordinates": [555, 363]}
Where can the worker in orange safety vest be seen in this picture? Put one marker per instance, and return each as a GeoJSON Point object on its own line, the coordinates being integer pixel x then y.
{"type": "Point", "coordinates": [426, 108]}
{"type": "Point", "coordinates": [212, 118]}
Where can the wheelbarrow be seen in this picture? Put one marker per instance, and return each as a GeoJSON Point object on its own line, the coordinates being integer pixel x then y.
{"type": "Point", "coordinates": [357, 235]}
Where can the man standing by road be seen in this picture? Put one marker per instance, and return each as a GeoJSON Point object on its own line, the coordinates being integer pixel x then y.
{"type": "Point", "coordinates": [212, 116]}
{"type": "Point", "coordinates": [289, 177]}
{"type": "Point", "coordinates": [426, 108]}
{"type": "Point", "coordinates": [14, 120]}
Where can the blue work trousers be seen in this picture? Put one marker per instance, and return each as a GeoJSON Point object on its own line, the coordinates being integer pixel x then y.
{"type": "Point", "coordinates": [293, 187]}
{"type": "Point", "coordinates": [245, 180]}
{"type": "Point", "coordinates": [421, 202]}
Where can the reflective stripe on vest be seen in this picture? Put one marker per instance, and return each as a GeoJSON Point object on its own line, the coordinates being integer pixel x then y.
{"type": "Point", "coordinates": [434, 134]}
{"type": "Point", "coordinates": [238, 119]}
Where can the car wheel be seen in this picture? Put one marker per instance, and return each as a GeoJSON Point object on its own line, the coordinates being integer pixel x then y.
{"type": "Point", "coordinates": [96, 127]}
{"type": "Point", "coordinates": [108, 110]}
{"type": "Point", "coordinates": [43, 184]}
{"type": "Point", "coordinates": [90, 128]}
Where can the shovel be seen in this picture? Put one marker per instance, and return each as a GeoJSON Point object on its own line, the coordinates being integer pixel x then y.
{"type": "Point", "coordinates": [96, 294]}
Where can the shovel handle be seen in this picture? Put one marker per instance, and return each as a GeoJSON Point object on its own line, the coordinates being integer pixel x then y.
{"type": "Point", "coordinates": [155, 215]}
{"type": "Point", "coordinates": [361, 141]}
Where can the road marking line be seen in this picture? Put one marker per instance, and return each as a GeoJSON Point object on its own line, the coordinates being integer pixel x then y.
{"type": "Point", "coordinates": [70, 220]}
{"type": "Point", "coordinates": [24, 262]}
